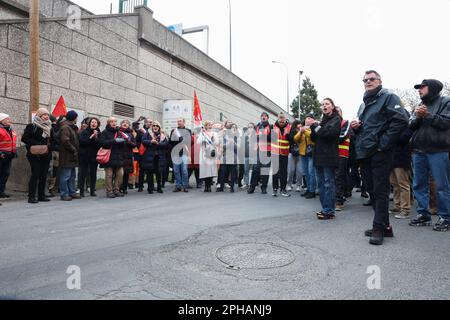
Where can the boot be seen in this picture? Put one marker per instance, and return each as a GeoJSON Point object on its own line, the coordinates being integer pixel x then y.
{"type": "Point", "coordinates": [377, 237]}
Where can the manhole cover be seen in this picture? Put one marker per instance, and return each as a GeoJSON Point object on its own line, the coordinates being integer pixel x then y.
{"type": "Point", "coordinates": [254, 256]}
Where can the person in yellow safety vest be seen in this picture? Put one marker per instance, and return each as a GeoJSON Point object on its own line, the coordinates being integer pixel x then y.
{"type": "Point", "coordinates": [343, 183]}
{"type": "Point", "coordinates": [280, 148]}
{"type": "Point", "coordinates": [303, 137]}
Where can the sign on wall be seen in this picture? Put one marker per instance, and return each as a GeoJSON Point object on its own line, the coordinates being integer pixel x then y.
{"type": "Point", "coordinates": [174, 110]}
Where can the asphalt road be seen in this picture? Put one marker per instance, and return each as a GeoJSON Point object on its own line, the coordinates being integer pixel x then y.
{"type": "Point", "coordinates": [212, 246]}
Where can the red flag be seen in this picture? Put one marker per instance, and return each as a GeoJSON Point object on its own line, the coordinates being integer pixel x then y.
{"type": "Point", "coordinates": [60, 108]}
{"type": "Point", "coordinates": [197, 112]}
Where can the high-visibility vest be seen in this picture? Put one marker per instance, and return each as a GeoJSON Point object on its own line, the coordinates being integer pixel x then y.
{"type": "Point", "coordinates": [281, 146]}
{"type": "Point", "coordinates": [8, 142]}
{"type": "Point", "coordinates": [344, 147]}
{"type": "Point", "coordinates": [263, 137]}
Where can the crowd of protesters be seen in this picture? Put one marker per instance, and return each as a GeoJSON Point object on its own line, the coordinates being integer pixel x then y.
{"type": "Point", "coordinates": [384, 149]}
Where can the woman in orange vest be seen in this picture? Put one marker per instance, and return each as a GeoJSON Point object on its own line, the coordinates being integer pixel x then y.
{"type": "Point", "coordinates": [8, 151]}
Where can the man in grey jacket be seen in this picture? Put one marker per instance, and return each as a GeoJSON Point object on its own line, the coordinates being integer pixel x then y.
{"type": "Point", "coordinates": [380, 120]}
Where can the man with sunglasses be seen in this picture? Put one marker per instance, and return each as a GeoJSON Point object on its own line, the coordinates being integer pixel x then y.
{"type": "Point", "coordinates": [380, 121]}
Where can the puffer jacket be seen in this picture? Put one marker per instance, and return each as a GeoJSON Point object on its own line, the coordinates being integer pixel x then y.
{"type": "Point", "coordinates": [152, 151]}
{"type": "Point", "coordinates": [326, 137]}
{"type": "Point", "coordinates": [382, 122]}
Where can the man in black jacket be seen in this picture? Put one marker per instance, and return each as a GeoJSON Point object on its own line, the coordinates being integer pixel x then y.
{"type": "Point", "coordinates": [180, 141]}
{"type": "Point", "coordinates": [380, 120]}
{"type": "Point", "coordinates": [431, 145]}
{"type": "Point", "coordinates": [263, 142]}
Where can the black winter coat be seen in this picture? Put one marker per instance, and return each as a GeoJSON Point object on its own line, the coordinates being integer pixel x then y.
{"type": "Point", "coordinates": [33, 137]}
{"type": "Point", "coordinates": [432, 133]}
{"type": "Point", "coordinates": [382, 122]}
{"type": "Point", "coordinates": [89, 147]}
{"type": "Point", "coordinates": [107, 140]}
{"type": "Point", "coordinates": [128, 152]}
{"type": "Point", "coordinates": [402, 150]}
{"type": "Point", "coordinates": [326, 137]}
{"type": "Point", "coordinates": [152, 151]}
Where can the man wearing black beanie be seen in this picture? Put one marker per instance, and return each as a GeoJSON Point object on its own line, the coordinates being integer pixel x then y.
{"type": "Point", "coordinates": [431, 145]}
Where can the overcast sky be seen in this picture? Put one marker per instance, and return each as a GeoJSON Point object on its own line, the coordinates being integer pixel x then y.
{"type": "Point", "coordinates": [334, 42]}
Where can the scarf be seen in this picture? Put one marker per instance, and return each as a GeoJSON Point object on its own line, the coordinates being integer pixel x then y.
{"type": "Point", "coordinates": [46, 126]}
{"type": "Point", "coordinates": [371, 96]}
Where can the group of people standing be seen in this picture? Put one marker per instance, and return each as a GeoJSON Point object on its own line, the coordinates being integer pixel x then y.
{"type": "Point", "coordinates": [384, 146]}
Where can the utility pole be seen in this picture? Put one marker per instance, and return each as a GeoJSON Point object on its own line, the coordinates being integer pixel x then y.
{"type": "Point", "coordinates": [299, 92]}
{"type": "Point", "coordinates": [34, 56]}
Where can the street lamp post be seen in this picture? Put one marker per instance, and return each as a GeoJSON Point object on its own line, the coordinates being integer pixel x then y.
{"type": "Point", "coordinates": [299, 91]}
{"type": "Point", "coordinates": [287, 82]}
{"type": "Point", "coordinates": [231, 57]}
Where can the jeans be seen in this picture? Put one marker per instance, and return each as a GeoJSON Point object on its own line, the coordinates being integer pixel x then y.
{"type": "Point", "coordinates": [295, 167]}
{"type": "Point", "coordinates": [67, 181]}
{"type": "Point", "coordinates": [280, 178]}
{"type": "Point", "coordinates": [181, 173]}
{"type": "Point", "coordinates": [310, 173]}
{"type": "Point", "coordinates": [439, 165]}
{"type": "Point", "coordinates": [376, 172]}
{"type": "Point", "coordinates": [5, 170]}
{"type": "Point", "coordinates": [327, 188]}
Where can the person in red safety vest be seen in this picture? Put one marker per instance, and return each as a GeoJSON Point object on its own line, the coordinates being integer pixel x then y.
{"type": "Point", "coordinates": [280, 148]}
{"type": "Point", "coordinates": [263, 151]}
{"type": "Point", "coordinates": [8, 151]}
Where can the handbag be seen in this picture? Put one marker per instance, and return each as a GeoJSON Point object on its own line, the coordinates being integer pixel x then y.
{"type": "Point", "coordinates": [103, 155]}
{"type": "Point", "coordinates": [39, 150]}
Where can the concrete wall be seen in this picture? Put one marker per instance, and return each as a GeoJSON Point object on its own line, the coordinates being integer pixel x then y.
{"type": "Point", "coordinates": [110, 59]}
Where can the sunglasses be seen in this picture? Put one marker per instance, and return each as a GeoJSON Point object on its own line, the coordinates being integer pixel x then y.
{"type": "Point", "coordinates": [370, 79]}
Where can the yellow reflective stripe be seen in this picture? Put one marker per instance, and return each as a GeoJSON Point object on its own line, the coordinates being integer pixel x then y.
{"type": "Point", "coordinates": [283, 141]}
{"type": "Point", "coordinates": [344, 147]}
{"type": "Point", "coordinates": [280, 147]}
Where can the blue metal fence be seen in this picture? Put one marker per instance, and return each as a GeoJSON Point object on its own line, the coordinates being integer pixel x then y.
{"type": "Point", "coordinates": [127, 6]}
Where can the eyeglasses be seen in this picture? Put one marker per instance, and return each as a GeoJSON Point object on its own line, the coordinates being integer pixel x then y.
{"type": "Point", "coordinates": [370, 79]}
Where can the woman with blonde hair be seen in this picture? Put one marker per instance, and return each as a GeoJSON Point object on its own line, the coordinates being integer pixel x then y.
{"type": "Point", "coordinates": [37, 140]}
{"type": "Point", "coordinates": [208, 141]}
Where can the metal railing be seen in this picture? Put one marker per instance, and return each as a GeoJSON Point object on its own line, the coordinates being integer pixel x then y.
{"type": "Point", "coordinates": [127, 6]}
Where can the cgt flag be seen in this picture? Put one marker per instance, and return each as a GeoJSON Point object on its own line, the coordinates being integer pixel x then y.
{"type": "Point", "coordinates": [197, 112]}
{"type": "Point", "coordinates": [60, 108]}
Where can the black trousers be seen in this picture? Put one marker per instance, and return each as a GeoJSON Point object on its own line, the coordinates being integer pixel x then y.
{"type": "Point", "coordinates": [142, 174]}
{"type": "Point", "coordinates": [241, 169]}
{"type": "Point", "coordinates": [226, 171]}
{"type": "Point", "coordinates": [257, 176]}
{"type": "Point", "coordinates": [87, 169]}
{"type": "Point", "coordinates": [343, 184]}
{"type": "Point", "coordinates": [39, 169]}
{"type": "Point", "coordinates": [155, 172]}
{"type": "Point", "coordinates": [5, 170]}
{"type": "Point", "coordinates": [279, 179]}
{"type": "Point", "coordinates": [375, 172]}
{"type": "Point", "coordinates": [196, 172]}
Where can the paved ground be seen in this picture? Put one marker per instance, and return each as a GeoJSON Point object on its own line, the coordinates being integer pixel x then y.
{"type": "Point", "coordinates": [214, 246]}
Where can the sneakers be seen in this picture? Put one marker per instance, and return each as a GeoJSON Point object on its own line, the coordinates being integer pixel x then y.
{"type": "Point", "coordinates": [177, 189]}
{"type": "Point", "coordinates": [285, 194]}
{"type": "Point", "coordinates": [364, 195]}
{"type": "Point", "coordinates": [323, 216]}
{"type": "Point", "coordinates": [394, 211]}
{"type": "Point", "coordinates": [244, 186]}
{"type": "Point", "coordinates": [275, 193]}
{"type": "Point", "coordinates": [263, 190]}
{"type": "Point", "coordinates": [66, 198]}
{"type": "Point", "coordinates": [402, 215]}
{"type": "Point", "coordinates": [32, 200]}
{"type": "Point", "coordinates": [75, 196]}
{"type": "Point", "coordinates": [298, 189]}
{"type": "Point", "coordinates": [304, 194]}
{"type": "Point", "coordinates": [442, 225]}
{"type": "Point", "coordinates": [339, 206]}
{"type": "Point", "coordinates": [310, 195]}
{"type": "Point", "coordinates": [289, 188]}
{"type": "Point", "coordinates": [110, 195]}
{"type": "Point", "coordinates": [377, 237]}
{"type": "Point", "coordinates": [420, 221]}
{"type": "Point", "coordinates": [388, 232]}
{"type": "Point", "coordinates": [251, 190]}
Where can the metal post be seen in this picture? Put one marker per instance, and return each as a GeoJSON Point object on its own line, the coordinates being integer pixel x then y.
{"type": "Point", "coordinates": [231, 51]}
{"type": "Point", "coordinates": [299, 92]}
{"type": "Point", "coordinates": [287, 82]}
{"type": "Point", "coordinates": [34, 56]}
